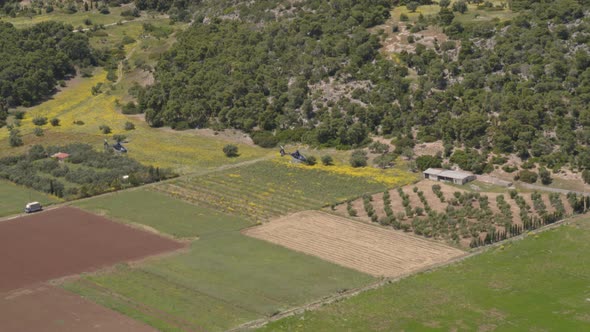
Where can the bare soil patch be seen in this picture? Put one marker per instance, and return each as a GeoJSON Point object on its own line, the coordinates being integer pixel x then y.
{"type": "Point", "coordinates": [366, 248]}
{"type": "Point", "coordinates": [47, 308]}
{"type": "Point", "coordinates": [65, 241]}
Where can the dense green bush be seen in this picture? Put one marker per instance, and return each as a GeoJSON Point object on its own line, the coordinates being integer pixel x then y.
{"type": "Point", "coordinates": [358, 158]}
{"type": "Point", "coordinates": [230, 150]}
{"type": "Point", "coordinates": [39, 121]}
{"type": "Point", "coordinates": [327, 160]}
{"type": "Point", "coordinates": [264, 139]}
{"type": "Point", "coordinates": [527, 176]}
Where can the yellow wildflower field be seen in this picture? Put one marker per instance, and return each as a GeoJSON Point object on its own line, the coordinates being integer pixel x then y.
{"type": "Point", "coordinates": [184, 152]}
{"type": "Point", "coordinates": [391, 177]}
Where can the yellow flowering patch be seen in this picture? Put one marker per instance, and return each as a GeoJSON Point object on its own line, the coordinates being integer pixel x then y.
{"type": "Point", "coordinates": [390, 177]}
{"type": "Point", "coordinates": [184, 151]}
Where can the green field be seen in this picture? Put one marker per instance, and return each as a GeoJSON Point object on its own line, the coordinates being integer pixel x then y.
{"type": "Point", "coordinates": [77, 19]}
{"type": "Point", "coordinates": [268, 189]}
{"type": "Point", "coordinates": [537, 284]}
{"type": "Point", "coordinates": [13, 198]}
{"type": "Point", "coordinates": [158, 211]}
{"type": "Point", "coordinates": [225, 279]}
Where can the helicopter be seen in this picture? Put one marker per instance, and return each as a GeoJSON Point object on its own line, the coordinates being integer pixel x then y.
{"type": "Point", "coordinates": [297, 156]}
{"type": "Point", "coordinates": [118, 147]}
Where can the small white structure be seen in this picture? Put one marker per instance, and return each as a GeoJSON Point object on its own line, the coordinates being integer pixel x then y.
{"type": "Point", "coordinates": [443, 175]}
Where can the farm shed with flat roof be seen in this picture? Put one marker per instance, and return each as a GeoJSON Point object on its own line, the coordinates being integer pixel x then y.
{"type": "Point", "coordinates": [444, 175]}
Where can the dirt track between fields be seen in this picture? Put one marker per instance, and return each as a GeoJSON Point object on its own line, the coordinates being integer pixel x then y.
{"type": "Point", "coordinates": [50, 309]}
{"type": "Point", "coordinates": [366, 248]}
{"type": "Point", "coordinates": [66, 241]}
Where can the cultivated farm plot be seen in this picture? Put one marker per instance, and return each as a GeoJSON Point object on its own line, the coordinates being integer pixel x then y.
{"type": "Point", "coordinates": [460, 216]}
{"type": "Point", "coordinates": [269, 189]}
{"type": "Point", "coordinates": [367, 248]}
{"type": "Point", "coordinates": [67, 241]}
{"type": "Point", "coordinates": [52, 309]}
{"type": "Point", "coordinates": [223, 280]}
{"type": "Point", "coordinates": [156, 211]}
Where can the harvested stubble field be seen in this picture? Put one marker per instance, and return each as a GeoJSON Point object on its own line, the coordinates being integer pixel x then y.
{"type": "Point", "coordinates": [269, 189]}
{"type": "Point", "coordinates": [67, 241]}
{"type": "Point", "coordinates": [366, 248]}
{"type": "Point", "coordinates": [537, 284]}
{"type": "Point", "coordinates": [51, 309]}
{"type": "Point", "coordinates": [467, 218]}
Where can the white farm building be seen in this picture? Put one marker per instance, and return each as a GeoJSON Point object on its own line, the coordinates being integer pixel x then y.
{"type": "Point", "coordinates": [444, 175]}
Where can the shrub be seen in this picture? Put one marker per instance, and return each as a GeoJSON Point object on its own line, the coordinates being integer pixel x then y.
{"type": "Point", "coordinates": [129, 126]}
{"type": "Point", "coordinates": [311, 160]}
{"type": "Point", "coordinates": [264, 139]}
{"type": "Point", "coordinates": [358, 158]}
{"type": "Point", "coordinates": [230, 150]}
{"type": "Point", "coordinates": [119, 138]}
{"type": "Point", "coordinates": [130, 108]}
{"type": "Point", "coordinates": [545, 176]}
{"type": "Point", "coordinates": [327, 160]}
{"type": "Point", "coordinates": [19, 115]}
{"type": "Point", "coordinates": [40, 121]}
{"type": "Point", "coordinates": [79, 122]}
{"type": "Point", "coordinates": [426, 161]}
{"type": "Point", "coordinates": [527, 176]}
{"type": "Point", "coordinates": [54, 122]}
{"type": "Point", "coordinates": [15, 138]}
{"type": "Point", "coordinates": [384, 160]}
{"type": "Point", "coordinates": [378, 147]}
{"type": "Point", "coordinates": [38, 131]}
{"type": "Point", "coordinates": [509, 168]}
{"type": "Point", "coordinates": [105, 129]}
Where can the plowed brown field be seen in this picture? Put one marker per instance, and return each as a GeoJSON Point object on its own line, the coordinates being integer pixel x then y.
{"type": "Point", "coordinates": [366, 248]}
{"type": "Point", "coordinates": [46, 308]}
{"type": "Point", "coordinates": [67, 241]}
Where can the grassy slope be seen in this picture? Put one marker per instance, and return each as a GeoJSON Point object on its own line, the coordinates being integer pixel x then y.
{"type": "Point", "coordinates": [182, 151]}
{"type": "Point", "coordinates": [540, 283]}
{"type": "Point", "coordinates": [13, 198]}
{"type": "Point", "coordinates": [225, 279]}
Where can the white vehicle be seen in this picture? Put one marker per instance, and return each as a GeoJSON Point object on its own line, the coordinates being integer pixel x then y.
{"type": "Point", "coordinates": [33, 207]}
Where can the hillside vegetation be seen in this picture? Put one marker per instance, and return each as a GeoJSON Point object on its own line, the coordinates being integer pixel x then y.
{"type": "Point", "coordinates": [35, 59]}
{"type": "Point", "coordinates": [515, 86]}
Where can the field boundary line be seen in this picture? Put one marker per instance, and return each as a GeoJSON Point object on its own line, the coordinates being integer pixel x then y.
{"type": "Point", "coordinates": [143, 308]}
{"type": "Point", "coordinates": [385, 281]}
